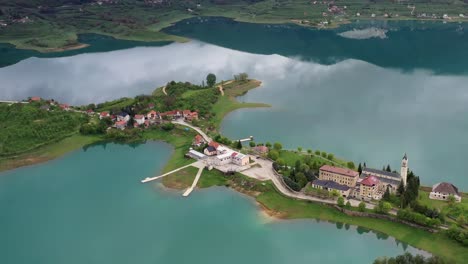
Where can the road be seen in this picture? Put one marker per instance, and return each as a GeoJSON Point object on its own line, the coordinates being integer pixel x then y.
{"type": "Point", "coordinates": [266, 173]}
{"type": "Point", "coordinates": [183, 123]}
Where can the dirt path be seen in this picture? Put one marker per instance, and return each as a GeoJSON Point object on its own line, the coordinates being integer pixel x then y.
{"type": "Point", "coordinates": [220, 87]}
{"type": "Point", "coordinates": [164, 90]}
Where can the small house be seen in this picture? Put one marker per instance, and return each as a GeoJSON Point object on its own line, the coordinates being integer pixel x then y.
{"type": "Point", "coordinates": [35, 99]}
{"type": "Point", "coordinates": [442, 191]}
{"type": "Point", "coordinates": [198, 141]}
{"type": "Point", "coordinates": [140, 119]}
{"type": "Point", "coordinates": [210, 151]}
{"type": "Point", "coordinates": [123, 117]}
{"type": "Point", "coordinates": [104, 115]}
{"type": "Point", "coordinates": [121, 124]}
{"type": "Point", "coordinates": [65, 107]}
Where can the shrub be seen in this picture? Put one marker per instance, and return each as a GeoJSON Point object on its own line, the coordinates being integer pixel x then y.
{"type": "Point", "coordinates": [340, 201]}
{"type": "Point", "coordinates": [293, 185]}
{"type": "Point", "coordinates": [362, 206]}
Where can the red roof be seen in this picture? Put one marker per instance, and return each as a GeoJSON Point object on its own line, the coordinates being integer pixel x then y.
{"type": "Point", "coordinates": [187, 112]}
{"type": "Point", "coordinates": [234, 154]}
{"type": "Point", "coordinates": [150, 105]}
{"type": "Point", "coordinates": [105, 114]}
{"type": "Point", "coordinates": [152, 112]}
{"type": "Point", "coordinates": [64, 106]}
{"type": "Point", "coordinates": [341, 171]}
{"type": "Point", "coordinates": [90, 111]}
{"type": "Point", "coordinates": [262, 149]}
{"type": "Point", "coordinates": [123, 122]}
{"type": "Point", "coordinates": [139, 116]}
{"type": "Point", "coordinates": [35, 98]}
{"type": "Point", "coordinates": [214, 144]}
{"type": "Point", "coordinates": [370, 181]}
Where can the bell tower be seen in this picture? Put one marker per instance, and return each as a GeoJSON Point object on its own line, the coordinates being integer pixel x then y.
{"type": "Point", "coordinates": [404, 169]}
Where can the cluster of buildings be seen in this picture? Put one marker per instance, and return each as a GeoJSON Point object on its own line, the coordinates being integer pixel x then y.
{"type": "Point", "coordinates": [218, 155]}
{"type": "Point", "coordinates": [371, 184]}
{"type": "Point", "coordinates": [121, 120]}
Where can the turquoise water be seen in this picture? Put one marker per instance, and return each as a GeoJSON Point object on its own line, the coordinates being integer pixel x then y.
{"type": "Point", "coordinates": [90, 207]}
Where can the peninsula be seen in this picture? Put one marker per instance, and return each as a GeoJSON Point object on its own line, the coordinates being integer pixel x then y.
{"type": "Point", "coordinates": [286, 183]}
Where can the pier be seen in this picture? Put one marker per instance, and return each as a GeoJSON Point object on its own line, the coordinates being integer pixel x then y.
{"type": "Point", "coordinates": [148, 179]}
{"type": "Point", "coordinates": [190, 189]}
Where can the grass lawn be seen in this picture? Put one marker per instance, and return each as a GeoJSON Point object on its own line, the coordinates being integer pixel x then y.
{"type": "Point", "coordinates": [48, 152]}
{"type": "Point", "coordinates": [184, 178]}
{"type": "Point", "coordinates": [455, 211]}
{"type": "Point", "coordinates": [180, 139]}
{"type": "Point", "coordinates": [228, 102]}
{"type": "Point", "coordinates": [290, 157]}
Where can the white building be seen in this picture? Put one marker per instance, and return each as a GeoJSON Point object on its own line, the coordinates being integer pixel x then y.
{"type": "Point", "coordinates": [442, 191]}
{"type": "Point", "coordinates": [140, 119]}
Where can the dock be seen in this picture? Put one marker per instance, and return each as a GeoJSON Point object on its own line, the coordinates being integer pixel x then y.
{"type": "Point", "coordinates": [194, 184]}
{"type": "Point", "coordinates": [148, 179]}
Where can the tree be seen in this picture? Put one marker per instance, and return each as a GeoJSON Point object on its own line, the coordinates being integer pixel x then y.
{"type": "Point", "coordinates": [359, 168]}
{"type": "Point", "coordinates": [309, 151]}
{"type": "Point", "coordinates": [211, 79]}
{"type": "Point", "coordinates": [386, 195]}
{"type": "Point", "coordinates": [273, 154]}
{"type": "Point", "coordinates": [330, 156]}
{"type": "Point", "coordinates": [301, 179]}
{"type": "Point", "coordinates": [383, 207]}
{"type": "Point", "coordinates": [348, 205]}
{"type": "Point", "coordinates": [277, 146]}
{"type": "Point", "coordinates": [268, 145]}
{"type": "Point", "coordinates": [317, 152]}
{"type": "Point", "coordinates": [401, 189]}
{"type": "Point", "coordinates": [239, 145]}
{"type": "Point", "coordinates": [324, 154]}
{"type": "Point", "coordinates": [340, 201]}
{"type": "Point", "coordinates": [280, 162]}
{"type": "Point", "coordinates": [297, 165]}
{"type": "Point", "coordinates": [335, 193]}
{"type": "Point", "coordinates": [252, 144]}
{"type": "Point", "coordinates": [350, 165]}
{"type": "Point", "coordinates": [299, 149]}
{"type": "Point", "coordinates": [388, 168]}
{"type": "Point", "coordinates": [461, 220]}
{"type": "Point", "coordinates": [362, 206]}
{"type": "Point", "coordinates": [451, 200]}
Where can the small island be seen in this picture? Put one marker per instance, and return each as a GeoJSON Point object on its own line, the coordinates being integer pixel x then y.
{"type": "Point", "coordinates": [299, 183]}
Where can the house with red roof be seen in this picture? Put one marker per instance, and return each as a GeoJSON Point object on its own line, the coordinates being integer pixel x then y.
{"type": "Point", "coordinates": [152, 115]}
{"type": "Point", "coordinates": [64, 107]}
{"type": "Point", "coordinates": [191, 116]}
{"type": "Point", "coordinates": [370, 188]}
{"type": "Point", "coordinates": [121, 124]}
{"type": "Point", "coordinates": [150, 105]}
{"type": "Point", "coordinates": [139, 119]}
{"type": "Point", "coordinates": [261, 149]}
{"type": "Point", "coordinates": [35, 99]}
{"type": "Point", "coordinates": [90, 112]}
{"type": "Point", "coordinates": [198, 141]}
{"type": "Point", "coordinates": [104, 115]}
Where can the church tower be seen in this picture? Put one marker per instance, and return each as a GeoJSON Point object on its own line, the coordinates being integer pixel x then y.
{"type": "Point", "coordinates": [404, 169]}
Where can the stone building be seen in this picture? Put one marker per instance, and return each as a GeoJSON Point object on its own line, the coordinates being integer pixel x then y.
{"type": "Point", "coordinates": [339, 175]}
{"type": "Point", "coordinates": [442, 191]}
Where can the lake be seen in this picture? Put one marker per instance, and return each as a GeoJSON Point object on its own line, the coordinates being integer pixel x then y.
{"type": "Point", "coordinates": [361, 96]}
{"type": "Point", "coordinates": [90, 207]}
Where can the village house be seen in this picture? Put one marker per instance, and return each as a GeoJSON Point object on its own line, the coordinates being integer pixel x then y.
{"type": "Point", "coordinates": [123, 117]}
{"type": "Point", "coordinates": [189, 115]}
{"type": "Point", "coordinates": [65, 107]}
{"type": "Point", "coordinates": [90, 112]}
{"type": "Point", "coordinates": [442, 191]}
{"type": "Point", "coordinates": [35, 99]}
{"type": "Point", "coordinates": [152, 115]}
{"type": "Point", "coordinates": [104, 115]}
{"type": "Point", "coordinates": [211, 150]}
{"type": "Point", "coordinates": [121, 124]}
{"type": "Point", "coordinates": [327, 185]}
{"type": "Point", "coordinates": [139, 119]}
{"type": "Point", "coordinates": [198, 141]}
{"type": "Point", "coordinates": [150, 105]}
{"type": "Point", "coordinates": [261, 150]}
{"type": "Point", "coordinates": [369, 188]}
{"type": "Point", "coordinates": [339, 175]}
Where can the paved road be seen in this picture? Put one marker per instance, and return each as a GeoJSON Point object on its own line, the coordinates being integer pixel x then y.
{"type": "Point", "coordinates": [266, 173]}
{"type": "Point", "coordinates": [183, 123]}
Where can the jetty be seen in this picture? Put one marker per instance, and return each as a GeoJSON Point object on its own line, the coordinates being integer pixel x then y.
{"type": "Point", "coordinates": [148, 179]}
{"type": "Point", "coordinates": [190, 189]}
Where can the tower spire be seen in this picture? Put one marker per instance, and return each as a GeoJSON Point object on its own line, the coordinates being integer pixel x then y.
{"type": "Point", "coordinates": [404, 169]}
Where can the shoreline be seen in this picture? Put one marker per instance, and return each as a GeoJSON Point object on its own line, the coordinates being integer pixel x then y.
{"type": "Point", "coordinates": [181, 39]}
